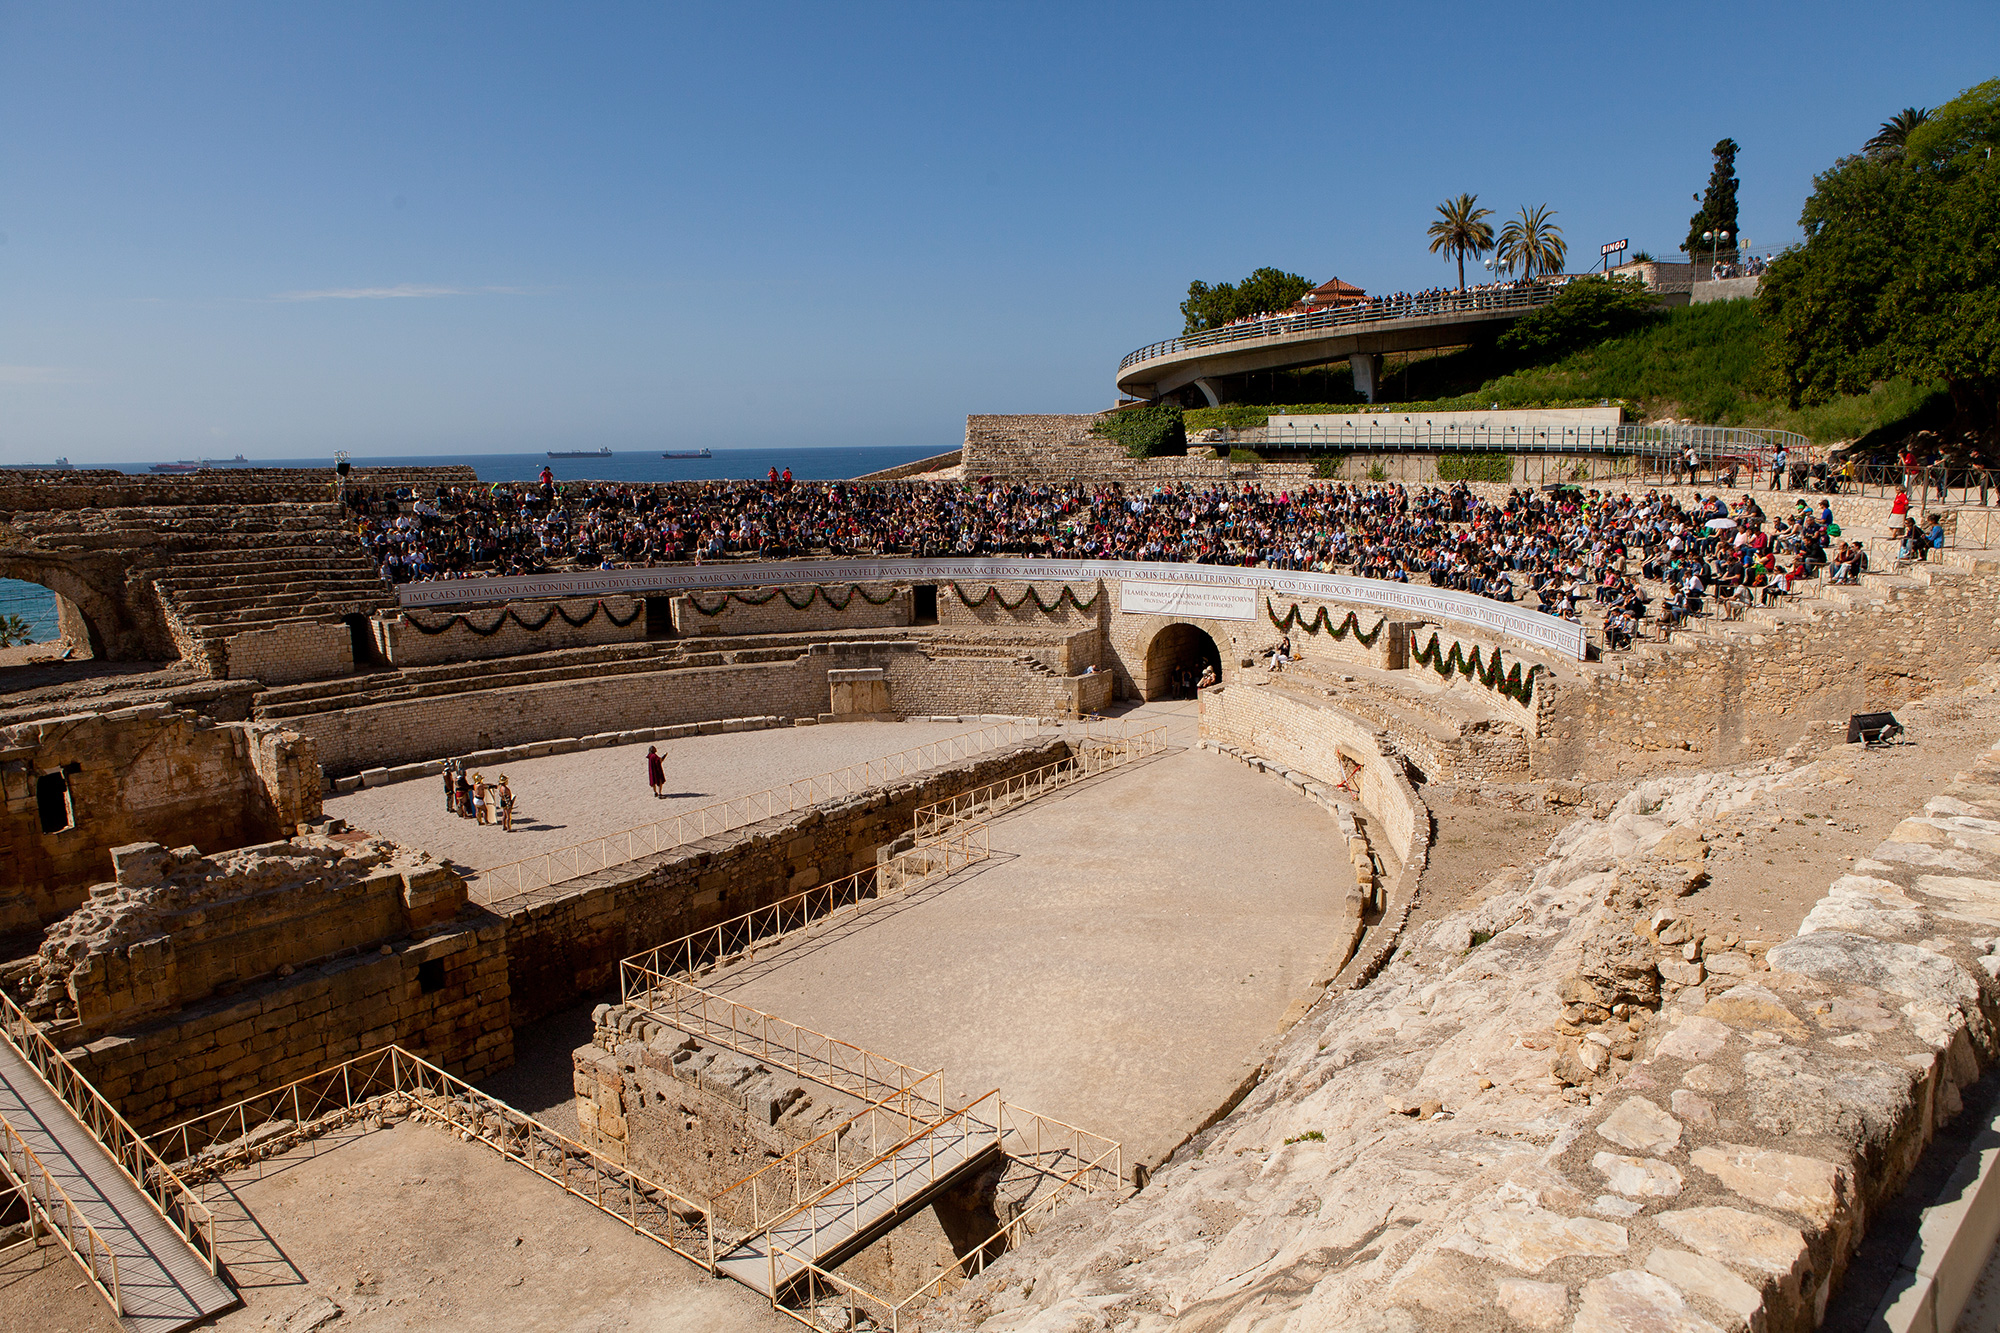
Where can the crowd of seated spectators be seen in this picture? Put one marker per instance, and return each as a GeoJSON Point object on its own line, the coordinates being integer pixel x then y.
{"type": "Point", "coordinates": [1557, 551]}
{"type": "Point", "coordinates": [1399, 303]}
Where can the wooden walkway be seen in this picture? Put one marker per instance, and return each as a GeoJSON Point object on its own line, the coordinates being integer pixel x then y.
{"type": "Point", "coordinates": [164, 1283]}
{"type": "Point", "coordinates": [850, 1216]}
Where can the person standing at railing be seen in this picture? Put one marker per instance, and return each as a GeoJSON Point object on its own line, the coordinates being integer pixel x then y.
{"type": "Point", "coordinates": [656, 772]}
{"type": "Point", "coordinates": [1780, 461]}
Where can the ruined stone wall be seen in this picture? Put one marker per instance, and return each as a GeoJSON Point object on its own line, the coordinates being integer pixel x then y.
{"type": "Point", "coordinates": [771, 611]}
{"type": "Point", "coordinates": [142, 774]}
{"type": "Point", "coordinates": [425, 638]}
{"type": "Point", "coordinates": [1371, 639]}
{"type": "Point", "coordinates": [175, 928]}
{"type": "Point", "coordinates": [406, 731]}
{"type": "Point", "coordinates": [1011, 604]}
{"type": "Point", "coordinates": [565, 942]}
{"type": "Point", "coordinates": [288, 653]}
{"type": "Point", "coordinates": [1312, 737]}
{"type": "Point", "coordinates": [1721, 702]}
{"type": "Point", "coordinates": [443, 996]}
{"type": "Point", "coordinates": [95, 488]}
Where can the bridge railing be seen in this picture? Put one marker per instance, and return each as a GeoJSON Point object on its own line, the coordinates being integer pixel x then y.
{"type": "Point", "coordinates": [168, 1194]}
{"type": "Point", "coordinates": [1286, 326]}
{"type": "Point", "coordinates": [46, 1203]}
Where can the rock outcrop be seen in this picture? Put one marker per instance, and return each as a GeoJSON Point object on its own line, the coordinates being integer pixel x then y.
{"type": "Point", "coordinates": [1569, 1107]}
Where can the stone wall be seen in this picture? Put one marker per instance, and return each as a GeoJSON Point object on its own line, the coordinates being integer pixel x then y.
{"type": "Point", "coordinates": [1716, 701]}
{"type": "Point", "coordinates": [1314, 738]}
{"type": "Point", "coordinates": [96, 488]}
{"type": "Point", "coordinates": [423, 638]}
{"type": "Point", "coordinates": [177, 927]}
{"type": "Point", "coordinates": [771, 610]}
{"type": "Point", "coordinates": [565, 942]}
{"type": "Point", "coordinates": [442, 996]}
{"type": "Point", "coordinates": [142, 774]}
{"type": "Point", "coordinates": [406, 731]}
{"type": "Point", "coordinates": [288, 653]}
{"type": "Point", "coordinates": [1379, 642]}
{"type": "Point", "coordinates": [1010, 604]}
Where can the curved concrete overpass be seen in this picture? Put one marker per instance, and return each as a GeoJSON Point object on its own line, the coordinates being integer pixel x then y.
{"type": "Point", "coordinates": [1358, 334]}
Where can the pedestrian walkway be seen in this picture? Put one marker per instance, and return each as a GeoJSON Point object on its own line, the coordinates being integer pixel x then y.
{"type": "Point", "coordinates": [161, 1283]}
{"type": "Point", "coordinates": [849, 1216]}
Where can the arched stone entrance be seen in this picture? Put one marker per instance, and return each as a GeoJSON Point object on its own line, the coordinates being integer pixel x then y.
{"type": "Point", "coordinates": [76, 599]}
{"type": "Point", "coordinates": [1175, 659]}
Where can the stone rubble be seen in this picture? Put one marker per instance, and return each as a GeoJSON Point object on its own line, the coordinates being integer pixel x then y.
{"type": "Point", "coordinates": [1631, 1126]}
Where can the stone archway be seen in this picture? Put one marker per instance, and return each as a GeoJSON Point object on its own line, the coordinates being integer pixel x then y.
{"type": "Point", "coordinates": [1175, 657]}
{"type": "Point", "coordinates": [93, 611]}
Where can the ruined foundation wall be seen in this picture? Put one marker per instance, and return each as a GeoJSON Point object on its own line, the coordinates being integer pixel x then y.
{"type": "Point", "coordinates": [143, 774]}
{"type": "Point", "coordinates": [770, 610]}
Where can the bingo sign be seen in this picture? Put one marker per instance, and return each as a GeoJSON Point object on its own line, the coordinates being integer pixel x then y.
{"type": "Point", "coordinates": [1138, 597]}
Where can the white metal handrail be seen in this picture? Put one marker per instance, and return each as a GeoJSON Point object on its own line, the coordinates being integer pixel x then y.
{"type": "Point", "coordinates": [1092, 756]}
{"type": "Point", "coordinates": [169, 1196]}
{"type": "Point", "coordinates": [1284, 325]}
{"type": "Point", "coordinates": [49, 1203]}
{"type": "Point", "coordinates": [231, 1135]}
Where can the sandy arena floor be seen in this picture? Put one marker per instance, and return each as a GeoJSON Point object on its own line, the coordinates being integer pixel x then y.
{"type": "Point", "coordinates": [570, 798]}
{"type": "Point", "coordinates": [1115, 965]}
{"type": "Point", "coordinates": [410, 1229]}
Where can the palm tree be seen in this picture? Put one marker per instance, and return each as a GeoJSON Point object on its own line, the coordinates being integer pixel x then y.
{"type": "Point", "coordinates": [1895, 132]}
{"type": "Point", "coordinates": [1533, 242]}
{"type": "Point", "coordinates": [1462, 229]}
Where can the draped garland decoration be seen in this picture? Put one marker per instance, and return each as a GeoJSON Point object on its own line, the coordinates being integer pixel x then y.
{"type": "Point", "coordinates": [817, 592]}
{"type": "Point", "coordinates": [992, 593]}
{"type": "Point", "coordinates": [1321, 621]}
{"type": "Point", "coordinates": [509, 613]}
{"type": "Point", "coordinates": [1515, 683]}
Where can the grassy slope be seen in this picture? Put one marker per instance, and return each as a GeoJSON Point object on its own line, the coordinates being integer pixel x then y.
{"type": "Point", "coordinates": [1699, 363]}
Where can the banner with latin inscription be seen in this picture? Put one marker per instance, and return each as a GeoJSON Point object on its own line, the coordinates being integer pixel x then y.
{"type": "Point", "coordinates": [1145, 597]}
{"type": "Point", "coordinates": [1467, 610]}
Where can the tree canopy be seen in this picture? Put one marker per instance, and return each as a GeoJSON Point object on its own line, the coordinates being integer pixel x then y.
{"type": "Point", "coordinates": [1264, 291]}
{"type": "Point", "coordinates": [1462, 229]}
{"type": "Point", "coordinates": [1718, 204]}
{"type": "Point", "coordinates": [1898, 274]}
{"type": "Point", "coordinates": [1152, 431]}
{"type": "Point", "coordinates": [1533, 243]}
{"type": "Point", "coordinates": [1586, 312]}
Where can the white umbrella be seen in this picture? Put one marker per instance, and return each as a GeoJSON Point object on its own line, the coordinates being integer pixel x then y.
{"type": "Point", "coordinates": [1721, 524]}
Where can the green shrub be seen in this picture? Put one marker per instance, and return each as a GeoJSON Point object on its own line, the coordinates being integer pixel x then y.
{"type": "Point", "coordinates": [1586, 312]}
{"type": "Point", "coordinates": [1326, 468]}
{"type": "Point", "coordinates": [1475, 467]}
{"type": "Point", "coordinates": [1376, 472]}
{"type": "Point", "coordinates": [1245, 456]}
{"type": "Point", "coordinates": [1153, 431]}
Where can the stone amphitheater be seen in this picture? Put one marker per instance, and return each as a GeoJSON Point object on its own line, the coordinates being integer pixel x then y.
{"type": "Point", "coordinates": [1437, 980]}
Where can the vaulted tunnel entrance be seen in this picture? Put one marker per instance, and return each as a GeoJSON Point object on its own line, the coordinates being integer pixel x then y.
{"type": "Point", "coordinates": [1176, 659]}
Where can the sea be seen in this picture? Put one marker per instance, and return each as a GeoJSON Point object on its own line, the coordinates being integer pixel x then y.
{"type": "Point", "coordinates": [37, 605]}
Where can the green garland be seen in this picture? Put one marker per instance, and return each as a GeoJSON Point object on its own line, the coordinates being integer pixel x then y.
{"type": "Point", "coordinates": [555, 609]}
{"type": "Point", "coordinates": [1515, 684]}
{"type": "Point", "coordinates": [992, 593]}
{"type": "Point", "coordinates": [815, 592]}
{"type": "Point", "coordinates": [1320, 621]}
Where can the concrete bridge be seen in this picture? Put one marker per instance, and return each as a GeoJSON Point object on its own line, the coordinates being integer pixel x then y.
{"type": "Point", "coordinates": [1358, 334]}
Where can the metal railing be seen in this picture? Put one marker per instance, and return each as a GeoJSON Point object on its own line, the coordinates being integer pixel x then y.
{"type": "Point", "coordinates": [48, 1205]}
{"type": "Point", "coordinates": [780, 1188]}
{"type": "Point", "coordinates": [815, 1286]}
{"type": "Point", "coordinates": [1093, 755]}
{"type": "Point", "coordinates": [391, 1079]}
{"type": "Point", "coordinates": [1540, 292]}
{"type": "Point", "coordinates": [663, 835]}
{"type": "Point", "coordinates": [167, 1193]}
{"type": "Point", "coordinates": [728, 941]}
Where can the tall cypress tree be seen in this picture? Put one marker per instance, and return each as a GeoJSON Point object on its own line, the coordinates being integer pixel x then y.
{"type": "Point", "coordinates": [1718, 206]}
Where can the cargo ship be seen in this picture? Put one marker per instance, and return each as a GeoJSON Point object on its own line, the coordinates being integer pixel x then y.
{"type": "Point", "coordinates": [184, 465]}
{"type": "Point", "coordinates": [580, 453]}
{"type": "Point", "coordinates": [687, 453]}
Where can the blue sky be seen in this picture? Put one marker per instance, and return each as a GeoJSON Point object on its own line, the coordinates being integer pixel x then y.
{"type": "Point", "coordinates": [411, 228]}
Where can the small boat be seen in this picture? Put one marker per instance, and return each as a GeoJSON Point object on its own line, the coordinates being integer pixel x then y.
{"type": "Point", "coordinates": [687, 453]}
{"type": "Point", "coordinates": [183, 466]}
{"type": "Point", "coordinates": [580, 453]}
